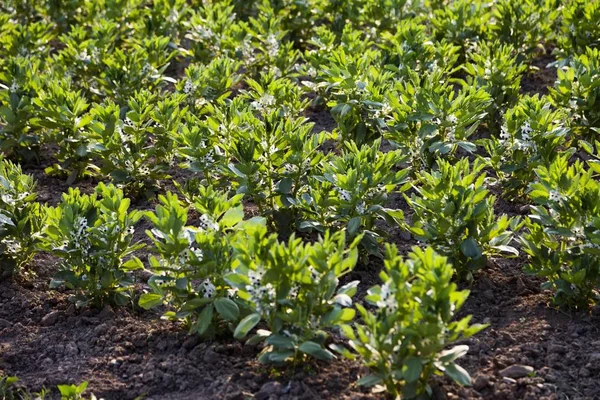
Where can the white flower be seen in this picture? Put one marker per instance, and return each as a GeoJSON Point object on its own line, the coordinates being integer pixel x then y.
{"type": "Point", "coordinates": [272, 45]}
{"type": "Point", "coordinates": [360, 207]}
{"type": "Point", "coordinates": [554, 196]}
{"type": "Point", "coordinates": [197, 252]}
{"type": "Point", "coordinates": [14, 87]}
{"type": "Point", "coordinates": [207, 288]}
{"type": "Point", "coordinates": [504, 135]}
{"type": "Point", "coordinates": [12, 246]}
{"type": "Point", "coordinates": [255, 276]}
{"type": "Point", "coordinates": [452, 119]}
{"type": "Point", "coordinates": [344, 194]}
{"type": "Point", "coordinates": [526, 129]}
{"type": "Point", "coordinates": [450, 136]}
{"type": "Point", "coordinates": [188, 87]}
{"type": "Point", "coordinates": [207, 223]}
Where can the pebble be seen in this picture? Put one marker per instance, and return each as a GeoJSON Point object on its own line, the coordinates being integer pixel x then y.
{"type": "Point", "coordinates": [51, 318]}
{"type": "Point", "coordinates": [4, 323]}
{"type": "Point", "coordinates": [516, 371]}
{"type": "Point", "coordinates": [481, 382]}
{"type": "Point", "coordinates": [268, 390]}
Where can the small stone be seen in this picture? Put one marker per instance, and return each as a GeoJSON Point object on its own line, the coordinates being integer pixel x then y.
{"type": "Point", "coordinates": [269, 390]}
{"type": "Point", "coordinates": [4, 323]}
{"type": "Point", "coordinates": [210, 357]}
{"type": "Point", "coordinates": [481, 382]}
{"type": "Point", "coordinates": [191, 342]}
{"type": "Point", "coordinates": [51, 318]}
{"type": "Point", "coordinates": [516, 371]}
{"type": "Point", "coordinates": [509, 380]}
{"type": "Point", "coordinates": [557, 348]}
{"type": "Point", "coordinates": [100, 330]}
{"type": "Point", "coordinates": [8, 294]}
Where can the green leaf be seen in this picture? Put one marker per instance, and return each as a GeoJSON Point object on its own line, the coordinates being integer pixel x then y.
{"type": "Point", "coordinates": [282, 342]}
{"type": "Point", "coordinates": [232, 216]}
{"type": "Point", "coordinates": [285, 185]}
{"type": "Point", "coordinates": [354, 225]}
{"type": "Point", "coordinates": [470, 248]}
{"type": "Point", "coordinates": [246, 325]}
{"type": "Point", "coordinates": [369, 380]}
{"type": "Point", "coordinates": [227, 309]}
{"type": "Point", "coordinates": [315, 350]}
{"type": "Point", "coordinates": [133, 264]}
{"type": "Point", "coordinates": [458, 374]}
{"type": "Point", "coordinates": [452, 354]}
{"type": "Point", "coordinates": [205, 319]}
{"type": "Point", "coordinates": [150, 300]}
{"type": "Point", "coordinates": [344, 352]}
{"type": "Point", "coordinates": [414, 367]}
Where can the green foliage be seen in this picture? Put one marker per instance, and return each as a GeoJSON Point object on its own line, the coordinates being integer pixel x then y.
{"type": "Point", "coordinates": [208, 84]}
{"type": "Point", "coordinates": [356, 86]}
{"type": "Point", "coordinates": [454, 213]}
{"type": "Point", "coordinates": [137, 150]}
{"type": "Point", "coordinates": [93, 238]}
{"type": "Point", "coordinates": [271, 157]}
{"type": "Point", "coordinates": [411, 48]}
{"type": "Point", "coordinates": [462, 23]}
{"type": "Point", "coordinates": [352, 190]}
{"type": "Point", "coordinates": [21, 219]}
{"type": "Point", "coordinates": [404, 336]}
{"type": "Point", "coordinates": [62, 115]}
{"type": "Point", "coordinates": [189, 262]}
{"type": "Point", "coordinates": [524, 24]}
{"type": "Point", "coordinates": [562, 238]}
{"type": "Point", "coordinates": [578, 90]}
{"type": "Point", "coordinates": [9, 390]}
{"type": "Point", "coordinates": [579, 28]}
{"type": "Point", "coordinates": [533, 134]}
{"type": "Point", "coordinates": [494, 67]}
{"type": "Point", "coordinates": [293, 288]}
{"type": "Point", "coordinates": [19, 85]}
{"type": "Point", "coordinates": [430, 120]}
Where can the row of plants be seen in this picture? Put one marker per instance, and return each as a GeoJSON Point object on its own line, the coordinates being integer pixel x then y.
{"type": "Point", "coordinates": [217, 272]}
{"type": "Point", "coordinates": [206, 29]}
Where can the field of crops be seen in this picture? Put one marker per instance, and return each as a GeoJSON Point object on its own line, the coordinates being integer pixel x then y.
{"type": "Point", "coordinates": [310, 199]}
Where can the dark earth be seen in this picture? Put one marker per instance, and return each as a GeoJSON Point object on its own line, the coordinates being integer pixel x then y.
{"type": "Point", "coordinates": [529, 351]}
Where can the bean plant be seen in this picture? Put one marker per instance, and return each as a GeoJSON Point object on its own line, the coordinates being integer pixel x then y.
{"type": "Point", "coordinates": [19, 85]}
{"type": "Point", "coordinates": [294, 288]}
{"type": "Point", "coordinates": [533, 134]}
{"type": "Point", "coordinates": [578, 90]}
{"type": "Point", "coordinates": [494, 67]}
{"type": "Point", "coordinates": [430, 120]}
{"type": "Point", "coordinates": [189, 262]}
{"type": "Point", "coordinates": [578, 28]}
{"type": "Point", "coordinates": [454, 213]}
{"type": "Point", "coordinates": [405, 333]}
{"type": "Point", "coordinates": [21, 219]}
{"type": "Point", "coordinates": [92, 234]}
{"type": "Point", "coordinates": [352, 190]}
{"type": "Point", "coordinates": [562, 237]}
